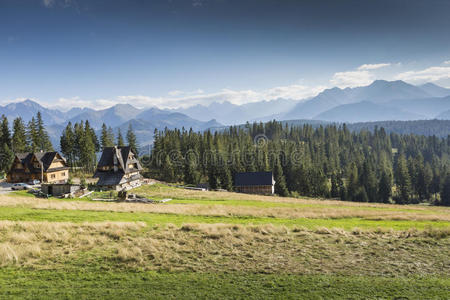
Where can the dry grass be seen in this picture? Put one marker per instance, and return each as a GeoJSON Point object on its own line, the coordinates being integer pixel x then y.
{"type": "Point", "coordinates": [225, 248]}
{"type": "Point", "coordinates": [163, 191]}
{"type": "Point", "coordinates": [345, 211]}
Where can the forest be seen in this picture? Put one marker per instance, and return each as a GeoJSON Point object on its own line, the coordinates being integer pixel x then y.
{"type": "Point", "coordinates": [321, 161]}
{"type": "Point", "coordinates": [79, 143]}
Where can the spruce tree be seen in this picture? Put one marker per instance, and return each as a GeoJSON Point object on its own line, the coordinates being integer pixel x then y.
{"type": "Point", "coordinates": [19, 139]}
{"type": "Point", "coordinates": [120, 141]}
{"type": "Point", "coordinates": [5, 137]}
{"type": "Point", "coordinates": [6, 154]}
{"type": "Point", "coordinates": [132, 141]}
{"type": "Point", "coordinates": [403, 180]}
{"type": "Point", "coordinates": [105, 139]}
{"type": "Point", "coordinates": [385, 188]}
{"type": "Point", "coordinates": [445, 191]}
{"type": "Point", "coordinates": [280, 181]}
{"type": "Point", "coordinates": [67, 144]}
{"type": "Point", "coordinates": [32, 136]}
{"type": "Point", "coordinates": [43, 140]}
{"type": "Point", "coordinates": [6, 158]}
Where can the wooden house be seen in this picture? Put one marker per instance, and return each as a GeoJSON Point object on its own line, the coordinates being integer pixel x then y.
{"type": "Point", "coordinates": [254, 183]}
{"type": "Point", "coordinates": [118, 169]}
{"type": "Point", "coordinates": [48, 167]}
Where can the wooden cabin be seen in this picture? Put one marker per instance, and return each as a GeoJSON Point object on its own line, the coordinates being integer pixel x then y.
{"type": "Point", "coordinates": [254, 183]}
{"type": "Point", "coordinates": [48, 167]}
{"type": "Point", "coordinates": [118, 169]}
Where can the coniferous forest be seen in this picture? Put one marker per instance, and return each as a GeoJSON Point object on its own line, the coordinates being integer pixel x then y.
{"type": "Point", "coordinates": [330, 161]}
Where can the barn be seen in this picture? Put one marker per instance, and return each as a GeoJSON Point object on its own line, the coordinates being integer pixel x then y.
{"type": "Point", "coordinates": [254, 183]}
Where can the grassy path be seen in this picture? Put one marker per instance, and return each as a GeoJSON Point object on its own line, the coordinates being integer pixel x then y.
{"type": "Point", "coordinates": [55, 215]}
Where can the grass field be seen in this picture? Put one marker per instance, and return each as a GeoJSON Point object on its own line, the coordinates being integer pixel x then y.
{"type": "Point", "coordinates": [221, 245]}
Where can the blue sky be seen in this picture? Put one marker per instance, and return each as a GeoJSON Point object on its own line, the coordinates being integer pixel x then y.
{"type": "Point", "coordinates": [182, 52]}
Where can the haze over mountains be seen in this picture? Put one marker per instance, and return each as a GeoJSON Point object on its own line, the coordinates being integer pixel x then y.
{"type": "Point", "coordinates": [379, 101]}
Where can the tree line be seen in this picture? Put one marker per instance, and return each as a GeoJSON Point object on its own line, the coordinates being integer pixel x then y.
{"type": "Point", "coordinates": [78, 142]}
{"type": "Point", "coordinates": [325, 161]}
{"type": "Point", "coordinates": [30, 137]}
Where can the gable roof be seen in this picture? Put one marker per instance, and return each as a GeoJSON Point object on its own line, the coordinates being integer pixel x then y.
{"type": "Point", "coordinates": [123, 159]}
{"type": "Point", "coordinates": [253, 178]}
{"type": "Point", "coordinates": [44, 158]}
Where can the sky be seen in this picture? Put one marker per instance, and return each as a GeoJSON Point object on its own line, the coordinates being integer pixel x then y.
{"type": "Point", "coordinates": [171, 53]}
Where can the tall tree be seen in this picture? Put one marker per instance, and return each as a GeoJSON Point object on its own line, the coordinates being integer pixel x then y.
{"type": "Point", "coordinates": [120, 141]}
{"type": "Point", "coordinates": [403, 180]}
{"type": "Point", "coordinates": [32, 136]}
{"type": "Point", "coordinates": [105, 138]}
{"type": "Point", "coordinates": [43, 140]}
{"type": "Point", "coordinates": [385, 188]}
{"type": "Point", "coordinates": [445, 192]}
{"type": "Point", "coordinates": [6, 154]}
{"type": "Point", "coordinates": [67, 144]}
{"type": "Point", "coordinates": [280, 180]}
{"type": "Point", "coordinates": [19, 138]}
{"type": "Point", "coordinates": [132, 141]}
{"type": "Point", "coordinates": [6, 158]}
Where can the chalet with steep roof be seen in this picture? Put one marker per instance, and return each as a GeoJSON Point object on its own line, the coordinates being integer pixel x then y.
{"type": "Point", "coordinates": [254, 183]}
{"type": "Point", "coordinates": [118, 169]}
{"type": "Point", "coordinates": [48, 167]}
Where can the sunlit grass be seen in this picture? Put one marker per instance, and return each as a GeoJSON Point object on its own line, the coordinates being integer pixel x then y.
{"type": "Point", "coordinates": [60, 215]}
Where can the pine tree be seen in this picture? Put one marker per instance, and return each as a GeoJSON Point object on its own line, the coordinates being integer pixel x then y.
{"type": "Point", "coordinates": [6, 158]}
{"type": "Point", "coordinates": [6, 154]}
{"type": "Point", "coordinates": [403, 180]}
{"type": "Point", "coordinates": [5, 137]}
{"type": "Point", "coordinates": [445, 191]}
{"type": "Point", "coordinates": [87, 154]}
{"type": "Point", "coordinates": [67, 144]}
{"type": "Point", "coordinates": [105, 139]}
{"type": "Point", "coordinates": [32, 136]}
{"type": "Point", "coordinates": [43, 140]}
{"type": "Point", "coordinates": [334, 192]}
{"type": "Point", "coordinates": [385, 188]}
{"type": "Point", "coordinates": [132, 141]}
{"type": "Point", "coordinates": [168, 170]}
{"type": "Point", "coordinates": [280, 181]}
{"type": "Point", "coordinates": [19, 139]}
{"type": "Point", "coordinates": [120, 141]}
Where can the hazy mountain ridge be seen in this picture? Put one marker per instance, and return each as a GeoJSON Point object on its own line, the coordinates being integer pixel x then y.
{"type": "Point", "coordinates": [379, 101]}
{"type": "Point", "coordinates": [229, 114]}
{"type": "Point", "coordinates": [399, 98]}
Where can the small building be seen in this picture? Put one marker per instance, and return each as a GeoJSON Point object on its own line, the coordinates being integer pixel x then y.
{"type": "Point", "coordinates": [118, 169]}
{"type": "Point", "coordinates": [59, 189]}
{"type": "Point", "coordinates": [48, 167]}
{"type": "Point", "coordinates": [254, 183]}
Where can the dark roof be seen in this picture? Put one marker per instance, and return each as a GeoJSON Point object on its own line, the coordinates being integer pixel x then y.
{"type": "Point", "coordinates": [109, 178]}
{"type": "Point", "coordinates": [122, 154]}
{"type": "Point", "coordinates": [253, 178]}
{"type": "Point", "coordinates": [114, 178]}
{"type": "Point", "coordinates": [46, 158]}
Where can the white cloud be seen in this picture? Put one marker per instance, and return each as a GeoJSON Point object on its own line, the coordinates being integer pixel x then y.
{"type": "Point", "coordinates": [425, 75]}
{"type": "Point", "coordinates": [178, 98]}
{"type": "Point", "coordinates": [352, 79]}
{"type": "Point", "coordinates": [175, 93]}
{"type": "Point", "coordinates": [373, 66]}
{"type": "Point", "coordinates": [48, 3]}
{"type": "Point", "coordinates": [447, 62]}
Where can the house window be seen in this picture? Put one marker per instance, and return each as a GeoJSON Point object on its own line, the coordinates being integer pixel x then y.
{"type": "Point", "coordinates": [52, 176]}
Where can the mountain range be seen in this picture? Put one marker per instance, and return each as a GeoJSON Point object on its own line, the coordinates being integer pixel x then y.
{"type": "Point", "coordinates": [380, 101]}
